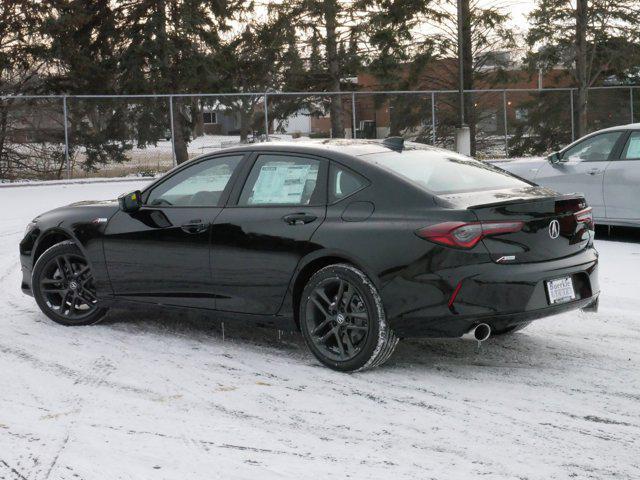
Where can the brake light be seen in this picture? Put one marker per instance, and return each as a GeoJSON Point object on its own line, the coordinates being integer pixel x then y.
{"type": "Point", "coordinates": [585, 216]}
{"type": "Point", "coordinates": [465, 235]}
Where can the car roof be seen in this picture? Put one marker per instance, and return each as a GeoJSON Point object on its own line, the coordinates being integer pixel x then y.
{"type": "Point", "coordinates": [339, 148]}
{"type": "Point", "coordinates": [628, 126]}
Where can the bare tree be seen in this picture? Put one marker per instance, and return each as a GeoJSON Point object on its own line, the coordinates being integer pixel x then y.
{"type": "Point", "coordinates": [589, 38]}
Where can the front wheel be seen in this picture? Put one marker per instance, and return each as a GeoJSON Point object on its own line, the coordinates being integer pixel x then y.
{"type": "Point", "coordinates": [63, 286]}
{"type": "Point", "coordinates": [343, 321]}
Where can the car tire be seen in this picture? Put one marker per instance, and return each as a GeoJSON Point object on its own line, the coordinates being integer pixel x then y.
{"type": "Point", "coordinates": [345, 327]}
{"type": "Point", "coordinates": [511, 329]}
{"type": "Point", "coordinates": [63, 286]}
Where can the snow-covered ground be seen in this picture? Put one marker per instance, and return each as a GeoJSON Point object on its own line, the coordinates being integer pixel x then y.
{"type": "Point", "coordinates": [157, 394]}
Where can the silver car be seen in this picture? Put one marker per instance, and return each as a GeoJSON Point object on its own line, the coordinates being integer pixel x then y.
{"type": "Point", "coordinates": [604, 166]}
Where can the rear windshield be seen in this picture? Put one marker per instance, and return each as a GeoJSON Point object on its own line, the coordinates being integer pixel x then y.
{"type": "Point", "coordinates": [443, 174]}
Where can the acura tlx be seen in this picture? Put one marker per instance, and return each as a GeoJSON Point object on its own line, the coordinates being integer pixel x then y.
{"type": "Point", "coordinates": [356, 244]}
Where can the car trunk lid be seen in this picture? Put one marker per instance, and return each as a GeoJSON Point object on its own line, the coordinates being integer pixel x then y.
{"type": "Point", "coordinates": [550, 227]}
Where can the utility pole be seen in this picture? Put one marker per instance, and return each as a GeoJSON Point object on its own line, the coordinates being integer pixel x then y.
{"type": "Point", "coordinates": [461, 61]}
{"type": "Point", "coordinates": [463, 133]}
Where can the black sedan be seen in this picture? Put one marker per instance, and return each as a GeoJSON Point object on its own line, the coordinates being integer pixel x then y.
{"type": "Point", "coordinates": [354, 243]}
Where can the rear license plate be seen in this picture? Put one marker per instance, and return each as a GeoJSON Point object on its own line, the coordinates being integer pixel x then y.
{"type": "Point", "coordinates": [560, 290]}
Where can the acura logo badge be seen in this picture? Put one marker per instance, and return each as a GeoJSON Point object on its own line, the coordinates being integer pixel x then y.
{"type": "Point", "coordinates": [554, 229]}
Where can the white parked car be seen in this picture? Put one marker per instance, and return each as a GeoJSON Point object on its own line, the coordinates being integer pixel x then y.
{"type": "Point", "coordinates": [604, 166]}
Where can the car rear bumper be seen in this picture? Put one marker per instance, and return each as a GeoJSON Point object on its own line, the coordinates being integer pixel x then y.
{"type": "Point", "coordinates": [499, 295]}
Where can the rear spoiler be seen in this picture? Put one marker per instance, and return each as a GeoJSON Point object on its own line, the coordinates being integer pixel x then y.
{"type": "Point", "coordinates": [511, 201]}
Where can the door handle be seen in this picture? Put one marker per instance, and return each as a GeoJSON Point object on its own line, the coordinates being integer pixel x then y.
{"type": "Point", "coordinates": [194, 226]}
{"type": "Point", "coordinates": [299, 218]}
{"type": "Point", "coordinates": [595, 171]}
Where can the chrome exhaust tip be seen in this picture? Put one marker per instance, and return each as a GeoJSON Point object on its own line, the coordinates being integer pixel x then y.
{"type": "Point", "coordinates": [479, 333]}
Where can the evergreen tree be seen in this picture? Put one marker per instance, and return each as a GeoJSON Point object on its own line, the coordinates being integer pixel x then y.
{"type": "Point", "coordinates": [82, 46]}
{"type": "Point", "coordinates": [174, 46]}
{"type": "Point", "coordinates": [323, 26]}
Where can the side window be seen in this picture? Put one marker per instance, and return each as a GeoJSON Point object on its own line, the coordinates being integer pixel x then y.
{"type": "Point", "coordinates": [598, 147]}
{"type": "Point", "coordinates": [343, 182]}
{"type": "Point", "coordinates": [200, 185]}
{"type": "Point", "coordinates": [282, 180]}
{"type": "Point", "coordinates": [632, 148]}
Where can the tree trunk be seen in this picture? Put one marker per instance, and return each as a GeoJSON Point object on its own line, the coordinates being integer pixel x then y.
{"type": "Point", "coordinates": [179, 128]}
{"type": "Point", "coordinates": [198, 120]}
{"type": "Point", "coordinates": [244, 119]}
{"type": "Point", "coordinates": [330, 17]}
{"type": "Point", "coordinates": [581, 66]}
{"type": "Point", "coordinates": [467, 72]}
{"type": "Point", "coordinates": [4, 172]}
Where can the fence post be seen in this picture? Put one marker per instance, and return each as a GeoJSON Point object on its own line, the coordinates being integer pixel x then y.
{"type": "Point", "coordinates": [433, 118]}
{"type": "Point", "coordinates": [66, 136]}
{"type": "Point", "coordinates": [573, 126]}
{"type": "Point", "coordinates": [506, 127]}
{"type": "Point", "coordinates": [353, 115]}
{"type": "Point", "coordinates": [266, 116]}
{"type": "Point", "coordinates": [631, 102]}
{"type": "Point", "coordinates": [173, 137]}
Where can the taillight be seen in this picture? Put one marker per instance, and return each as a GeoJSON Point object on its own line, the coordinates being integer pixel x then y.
{"type": "Point", "coordinates": [585, 216]}
{"type": "Point", "coordinates": [466, 235]}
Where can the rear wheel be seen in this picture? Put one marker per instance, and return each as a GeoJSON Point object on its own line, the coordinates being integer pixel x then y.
{"type": "Point", "coordinates": [343, 322]}
{"type": "Point", "coordinates": [63, 286]}
{"type": "Point", "coordinates": [511, 329]}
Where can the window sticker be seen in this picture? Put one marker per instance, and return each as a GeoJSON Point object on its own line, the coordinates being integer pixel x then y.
{"type": "Point", "coordinates": [280, 184]}
{"type": "Point", "coordinates": [633, 150]}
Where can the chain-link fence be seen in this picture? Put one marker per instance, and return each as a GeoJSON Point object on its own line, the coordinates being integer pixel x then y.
{"type": "Point", "coordinates": [50, 137]}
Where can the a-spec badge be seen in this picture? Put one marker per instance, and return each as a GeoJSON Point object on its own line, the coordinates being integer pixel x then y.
{"type": "Point", "coordinates": [99, 220]}
{"type": "Point", "coordinates": [506, 258]}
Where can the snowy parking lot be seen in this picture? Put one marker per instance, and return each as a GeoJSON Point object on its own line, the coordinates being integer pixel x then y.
{"type": "Point", "coordinates": [157, 394]}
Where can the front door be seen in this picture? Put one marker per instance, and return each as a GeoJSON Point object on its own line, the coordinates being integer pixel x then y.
{"type": "Point", "coordinates": [581, 169]}
{"type": "Point", "coordinates": [161, 253]}
{"type": "Point", "coordinates": [261, 236]}
{"type": "Point", "coordinates": [621, 182]}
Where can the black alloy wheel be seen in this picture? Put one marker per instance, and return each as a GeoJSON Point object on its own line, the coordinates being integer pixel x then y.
{"type": "Point", "coordinates": [342, 320]}
{"type": "Point", "coordinates": [64, 288]}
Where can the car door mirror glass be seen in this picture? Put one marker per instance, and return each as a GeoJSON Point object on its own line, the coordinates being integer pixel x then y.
{"type": "Point", "coordinates": [554, 157]}
{"type": "Point", "coordinates": [130, 202]}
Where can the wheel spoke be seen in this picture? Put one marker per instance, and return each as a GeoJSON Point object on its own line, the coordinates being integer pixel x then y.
{"type": "Point", "coordinates": [320, 326]}
{"type": "Point", "coordinates": [92, 297]}
{"type": "Point", "coordinates": [53, 290]}
{"type": "Point", "coordinates": [68, 264]}
{"type": "Point", "coordinates": [357, 327]}
{"type": "Point", "coordinates": [61, 268]}
{"type": "Point", "coordinates": [348, 296]}
{"type": "Point", "coordinates": [321, 293]}
{"type": "Point", "coordinates": [360, 315]}
{"type": "Point", "coordinates": [83, 271]}
{"type": "Point", "coordinates": [326, 336]}
{"type": "Point", "coordinates": [339, 342]}
{"type": "Point", "coordinates": [320, 307]}
{"type": "Point", "coordinates": [340, 292]}
{"type": "Point", "coordinates": [350, 348]}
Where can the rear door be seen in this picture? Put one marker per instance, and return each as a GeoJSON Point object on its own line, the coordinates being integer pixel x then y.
{"type": "Point", "coordinates": [259, 238]}
{"type": "Point", "coordinates": [621, 181]}
{"type": "Point", "coordinates": [582, 168]}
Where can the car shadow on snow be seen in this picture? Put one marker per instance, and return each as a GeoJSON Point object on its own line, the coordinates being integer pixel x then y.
{"type": "Point", "coordinates": [618, 234]}
{"type": "Point", "coordinates": [518, 350]}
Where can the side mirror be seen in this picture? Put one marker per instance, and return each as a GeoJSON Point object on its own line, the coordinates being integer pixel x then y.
{"type": "Point", "coordinates": [554, 157]}
{"type": "Point", "coordinates": [130, 202]}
